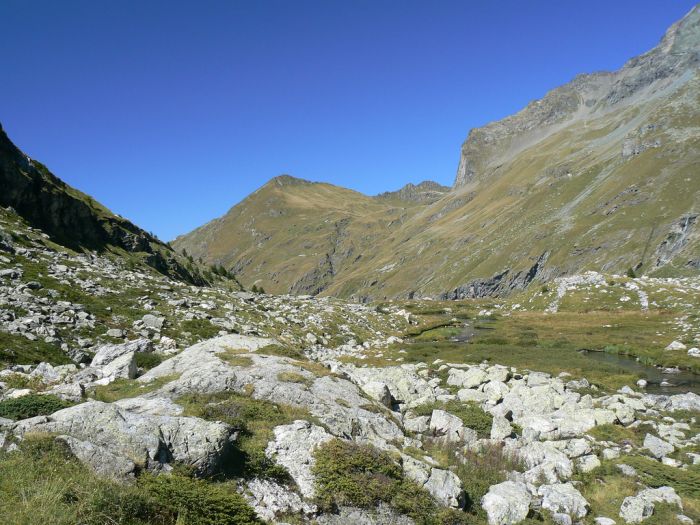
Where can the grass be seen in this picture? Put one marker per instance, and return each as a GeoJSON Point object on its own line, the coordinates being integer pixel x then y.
{"type": "Point", "coordinates": [471, 414]}
{"type": "Point", "coordinates": [125, 388]}
{"type": "Point", "coordinates": [31, 405]}
{"type": "Point", "coordinates": [17, 349]}
{"type": "Point", "coordinates": [255, 419]}
{"type": "Point", "coordinates": [199, 328]}
{"type": "Point", "coordinates": [294, 377]}
{"type": "Point", "coordinates": [45, 483]}
{"type": "Point", "coordinates": [605, 488]}
{"type": "Point", "coordinates": [619, 434]}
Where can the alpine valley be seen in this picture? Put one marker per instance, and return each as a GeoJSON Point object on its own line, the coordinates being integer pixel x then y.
{"type": "Point", "coordinates": [521, 347]}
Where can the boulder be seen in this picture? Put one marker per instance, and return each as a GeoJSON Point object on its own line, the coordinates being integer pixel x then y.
{"type": "Point", "coordinates": [506, 503]}
{"type": "Point", "coordinates": [500, 428]}
{"type": "Point", "coordinates": [446, 488]}
{"type": "Point", "coordinates": [636, 509]}
{"type": "Point", "coordinates": [563, 498]}
{"type": "Point", "coordinates": [470, 378]}
{"type": "Point", "coordinates": [657, 446]}
{"type": "Point", "coordinates": [151, 441]}
{"type": "Point", "coordinates": [293, 448]}
{"type": "Point", "coordinates": [379, 392]}
{"type": "Point", "coordinates": [270, 499]}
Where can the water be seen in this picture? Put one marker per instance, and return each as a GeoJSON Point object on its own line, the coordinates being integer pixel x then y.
{"type": "Point", "coordinates": [659, 381]}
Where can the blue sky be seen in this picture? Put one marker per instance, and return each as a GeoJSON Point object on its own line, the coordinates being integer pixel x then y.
{"type": "Point", "coordinates": [170, 112]}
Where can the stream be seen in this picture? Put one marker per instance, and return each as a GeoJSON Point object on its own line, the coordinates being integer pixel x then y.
{"type": "Point", "coordinates": [659, 380]}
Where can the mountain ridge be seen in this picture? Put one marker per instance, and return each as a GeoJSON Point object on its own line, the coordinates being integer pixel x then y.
{"type": "Point", "coordinates": [597, 175]}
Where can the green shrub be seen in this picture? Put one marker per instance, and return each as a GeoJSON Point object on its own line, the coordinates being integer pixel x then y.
{"type": "Point", "coordinates": [148, 360]}
{"type": "Point", "coordinates": [655, 474]}
{"type": "Point", "coordinates": [31, 406]}
{"type": "Point", "coordinates": [197, 502]}
{"type": "Point", "coordinates": [348, 473]}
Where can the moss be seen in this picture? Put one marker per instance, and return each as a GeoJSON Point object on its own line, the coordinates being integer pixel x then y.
{"type": "Point", "coordinates": [31, 405]}
{"type": "Point", "coordinates": [124, 388]}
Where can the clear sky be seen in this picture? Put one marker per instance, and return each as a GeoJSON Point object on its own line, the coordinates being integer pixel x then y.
{"type": "Point", "coordinates": [170, 112]}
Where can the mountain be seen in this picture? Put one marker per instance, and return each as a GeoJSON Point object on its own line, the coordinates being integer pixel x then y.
{"type": "Point", "coordinates": [75, 220]}
{"type": "Point", "coordinates": [599, 174]}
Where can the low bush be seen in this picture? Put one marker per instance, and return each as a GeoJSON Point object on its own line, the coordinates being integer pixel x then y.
{"type": "Point", "coordinates": [148, 360]}
{"type": "Point", "coordinates": [197, 502]}
{"type": "Point", "coordinates": [348, 473]}
{"type": "Point", "coordinates": [31, 406]}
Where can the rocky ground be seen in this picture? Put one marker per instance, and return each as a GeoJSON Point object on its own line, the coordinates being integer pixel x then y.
{"type": "Point", "coordinates": [312, 410]}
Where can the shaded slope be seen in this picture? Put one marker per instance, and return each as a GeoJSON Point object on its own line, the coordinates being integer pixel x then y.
{"type": "Point", "coordinates": [76, 220]}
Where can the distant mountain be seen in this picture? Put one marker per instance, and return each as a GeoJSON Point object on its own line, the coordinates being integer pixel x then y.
{"type": "Point", "coordinates": [425, 192]}
{"type": "Point", "coordinates": [76, 220]}
{"type": "Point", "coordinates": [600, 174]}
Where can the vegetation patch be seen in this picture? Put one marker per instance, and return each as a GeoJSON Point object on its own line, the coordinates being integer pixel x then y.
{"type": "Point", "coordinates": [124, 388]}
{"type": "Point", "coordinates": [255, 419]}
{"type": "Point", "coordinates": [357, 475]}
{"type": "Point", "coordinates": [31, 405]}
{"type": "Point", "coordinates": [148, 360]}
{"type": "Point", "coordinates": [471, 414]}
{"type": "Point", "coordinates": [45, 483]}
{"type": "Point", "coordinates": [17, 349]}
{"type": "Point", "coordinates": [294, 377]}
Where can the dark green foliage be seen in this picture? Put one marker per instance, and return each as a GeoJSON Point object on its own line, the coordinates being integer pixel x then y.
{"type": "Point", "coordinates": [31, 406]}
{"type": "Point", "coordinates": [196, 502]}
{"type": "Point", "coordinates": [18, 349]}
{"type": "Point", "coordinates": [348, 473]}
{"type": "Point", "coordinates": [199, 327]}
{"type": "Point", "coordinates": [630, 273]}
{"type": "Point", "coordinates": [148, 360]}
{"type": "Point", "coordinates": [655, 474]}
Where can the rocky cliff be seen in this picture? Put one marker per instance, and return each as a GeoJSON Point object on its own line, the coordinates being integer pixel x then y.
{"type": "Point", "coordinates": [76, 220]}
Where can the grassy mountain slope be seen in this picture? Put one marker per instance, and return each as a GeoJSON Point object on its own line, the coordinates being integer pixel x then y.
{"type": "Point", "coordinates": [600, 174]}
{"type": "Point", "coordinates": [75, 220]}
{"type": "Point", "coordinates": [297, 236]}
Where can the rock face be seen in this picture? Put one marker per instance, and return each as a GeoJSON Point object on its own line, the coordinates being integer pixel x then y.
{"type": "Point", "coordinates": [293, 448]}
{"type": "Point", "coordinates": [94, 428]}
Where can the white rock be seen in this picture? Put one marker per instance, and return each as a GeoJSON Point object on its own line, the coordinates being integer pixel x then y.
{"type": "Point", "coordinates": [563, 498]}
{"type": "Point", "coordinates": [506, 503]}
{"type": "Point", "coordinates": [294, 447]}
{"type": "Point", "coordinates": [657, 446]}
{"type": "Point", "coordinates": [676, 345]}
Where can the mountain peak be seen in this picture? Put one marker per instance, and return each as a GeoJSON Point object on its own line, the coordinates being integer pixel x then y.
{"type": "Point", "coordinates": [287, 180]}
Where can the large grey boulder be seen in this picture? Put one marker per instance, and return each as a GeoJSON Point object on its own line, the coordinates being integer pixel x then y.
{"type": "Point", "coordinates": [636, 509]}
{"type": "Point", "coordinates": [470, 378]}
{"type": "Point", "coordinates": [293, 448]}
{"type": "Point", "coordinates": [563, 498]}
{"type": "Point", "coordinates": [151, 441]}
{"type": "Point", "coordinates": [379, 392]}
{"type": "Point", "coordinates": [100, 459]}
{"type": "Point", "coordinates": [105, 354]}
{"type": "Point", "coordinates": [450, 428]}
{"type": "Point", "coordinates": [507, 503]}
{"type": "Point", "coordinates": [657, 446]}
{"type": "Point", "coordinates": [446, 488]}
